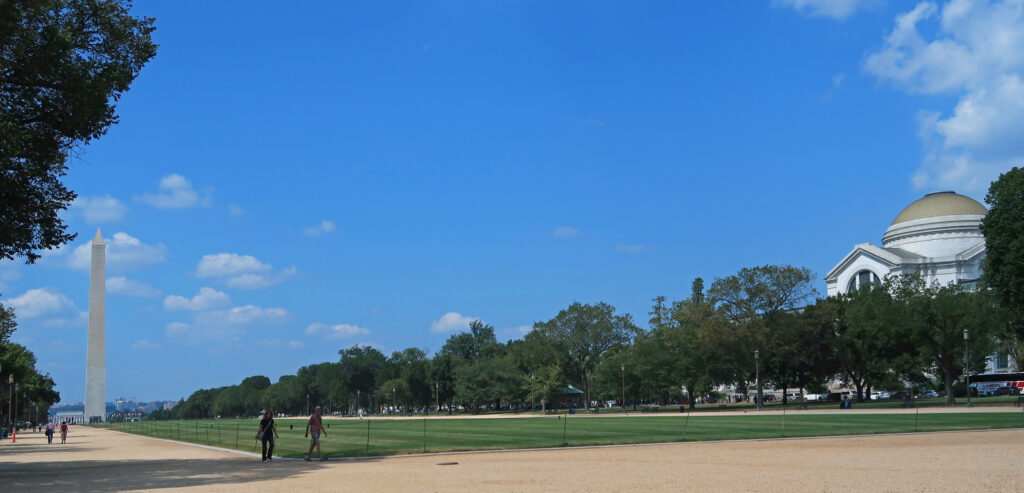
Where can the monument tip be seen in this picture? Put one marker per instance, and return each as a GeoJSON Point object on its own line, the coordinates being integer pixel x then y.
{"type": "Point", "coordinates": [98, 239]}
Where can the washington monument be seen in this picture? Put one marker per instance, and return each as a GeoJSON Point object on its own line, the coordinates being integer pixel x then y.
{"type": "Point", "coordinates": [96, 359]}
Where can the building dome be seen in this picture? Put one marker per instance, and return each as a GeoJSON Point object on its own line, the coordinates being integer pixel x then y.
{"type": "Point", "coordinates": [940, 204]}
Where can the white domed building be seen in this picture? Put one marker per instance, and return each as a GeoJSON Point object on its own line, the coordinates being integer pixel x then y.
{"type": "Point", "coordinates": [938, 236]}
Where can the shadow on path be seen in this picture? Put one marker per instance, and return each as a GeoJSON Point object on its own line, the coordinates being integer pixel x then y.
{"type": "Point", "coordinates": [108, 475]}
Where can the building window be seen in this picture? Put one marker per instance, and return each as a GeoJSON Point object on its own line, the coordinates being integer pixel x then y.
{"type": "Point", "coordinates": [1002, 361]}
{"type": "Point", "coordinates": [863, 278]}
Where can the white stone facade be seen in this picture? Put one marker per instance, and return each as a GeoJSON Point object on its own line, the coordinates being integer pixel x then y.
{"type": "Point", "coordinates": [96, 356]}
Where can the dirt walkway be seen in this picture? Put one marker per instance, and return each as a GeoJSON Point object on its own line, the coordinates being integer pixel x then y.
{"type": "Point", "coordinates": [102, 460]}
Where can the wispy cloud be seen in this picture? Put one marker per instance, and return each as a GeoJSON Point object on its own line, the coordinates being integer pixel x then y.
{"type": "Point", "coordinates": [206, 299]}
{"type": "Point", "coordinates": [176, 193]}
{"type": "Point", "coordinates": [337, 331]}
{"type": "Point", "coordinates": [565, 232]}
{"type": "Point", "coordinates": [241, 271]}
{"type": "Point", "coordinates": [130, 287]}
{"type": "Point", "coordinates": [323, 228]}
{"type": "Point", "coordinates": [836, 9]}
{"type": "Point", "coordinates": [100, 209]}
{"type": "Point", "coordinates": [51, 307]}
{"type": "Point", "coordinates": [974, 50]}
{"type": "Point", "coordinates": [632, 248]}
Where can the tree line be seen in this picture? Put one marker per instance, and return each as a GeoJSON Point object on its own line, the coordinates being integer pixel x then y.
{"type": "Point", "coordinates": [29, 393]}
{"type": "Point", "coordinates": [885, 335]}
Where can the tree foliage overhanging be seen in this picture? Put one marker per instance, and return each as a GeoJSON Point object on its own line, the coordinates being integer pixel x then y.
{"type": "Point", "coordinates": [63, 66]}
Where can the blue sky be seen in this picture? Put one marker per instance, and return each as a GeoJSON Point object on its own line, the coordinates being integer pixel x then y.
{"type": "Point", "coordinates": [284, 183]}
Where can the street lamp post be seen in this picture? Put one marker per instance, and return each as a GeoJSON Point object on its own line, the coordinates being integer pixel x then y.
{"type": "Point", "coordinates": [757, 368]}
{"type": "Point", "coordinates": [437, 397]}
{"type": "Point", "coordinates": [307, 403]}
{"type": "Point", "coordinates": [623, 368]}
{"type": "Point", "coordinates": [394, 397]}
{"type": "Point", "coordinates": [10, 402]}
{"type": "Point", "coordinates": [967, 364]}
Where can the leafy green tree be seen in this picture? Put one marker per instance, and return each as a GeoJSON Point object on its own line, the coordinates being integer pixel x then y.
{"type": "Point", "coordinates": [1003, 227]}
{"type": "Point", "coordinates": [757, 300]}
{"type": "Point", "coordinates": [442, 375]}
{"type": "Point", "coordinates": [63, 66]}
{"type": "Point", "coordinates": [19, 362]}
{"type": "Point", "coordinates": [869, 342]}
{"type": "Point", "coordinates": [468, 346]}
{"type": "Point", "coordinates": [8, 324]}
{"type": "Point", "coordinates": [588, 332]}
{"type": "Point", "coordinates": [360, 366]}
{"type": "Point", "coordinates": [935, 321]}
{"type": "Point", "coordinates": [488, 381]}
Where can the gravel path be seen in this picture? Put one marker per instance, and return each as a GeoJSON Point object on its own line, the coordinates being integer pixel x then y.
{"type": "Point", "coordinates": [102, 460]}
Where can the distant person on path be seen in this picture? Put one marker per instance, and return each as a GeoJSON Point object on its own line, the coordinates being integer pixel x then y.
{"type": "Point", "coordinates": [49, 432]}
{"type": "Point", "coordinates": [63, 432]}
{"type": "Point", "coordinates": [316, 427]}
{"type": "Point", "coordinates": [267, 433]}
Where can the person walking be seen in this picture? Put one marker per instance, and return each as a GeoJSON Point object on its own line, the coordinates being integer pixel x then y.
{"type": "Point", "coordinates": [268, 434]}
{"type": "Point", "coordinates": [63, 432]}
{"type": "Point", "coordinates": [315, 426]}
{"type": "Point", "coordinates": [49, 432]}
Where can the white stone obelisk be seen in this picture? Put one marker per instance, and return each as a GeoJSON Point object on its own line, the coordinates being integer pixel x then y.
{"type": "Point", "coordinates": [96, 358]}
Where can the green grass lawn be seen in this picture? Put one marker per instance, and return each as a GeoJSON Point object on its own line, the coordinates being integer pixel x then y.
{"type": "Point", "coordinates": [369, 437]}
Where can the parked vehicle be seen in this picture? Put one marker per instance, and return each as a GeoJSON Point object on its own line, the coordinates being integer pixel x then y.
{"type": "Point", "coordinates": [901, 395]}
{"type": "Point", "coordinates": [927, 394]}
{"type": "Point", "coordinates": [1007, 391]}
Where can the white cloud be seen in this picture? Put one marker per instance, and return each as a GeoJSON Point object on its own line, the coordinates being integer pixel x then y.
{"type": "Point", "coordinates": [42, 302]}
{"type": "Point", "coordinates": [836, 9]}
{"type": "Point", "coordinates": [205, 299]}
{"type": "Point", "coordinates": [250, 314]}
{"type": "Point", "coordinates": [277, 343]}
{"type": "Point", "coordinates": [229, 264]}
{"type": "Point", "coordinates": [130, 287]}
{"type": "Point", "coordinates": [632, 248]}
{"type": "Point", "coordinates": [235, 210]}
{"type": "Point", "coordinates": [123, 252]}
{"type": "Point", "coordinates": [975, 50]}
{"type": "Point", "coordinates": [242, 315]}
{"type": "Point", "coordinates": [202, 334]}
{"type": "Point", "coordinates": [323, 228]}
{"type": "Point", "coordinates": [565, 232]}
{"type": "Point", "coordinates": [336, 331]}
{"type": "Point", "coordinates": [175, 193]}
{"type": "Point", "coordinates": [241, 271]}
{"type": "Point", "coordinates": [516, 332]}
{"type": "Point", "coordinates": [218, 325]}
{"type": "Point", "coordinates": [143, 345]}
{"type": "Point", "coordinates": [100, 209]}
{"type": "Point", "coordinates": [451, 322]}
